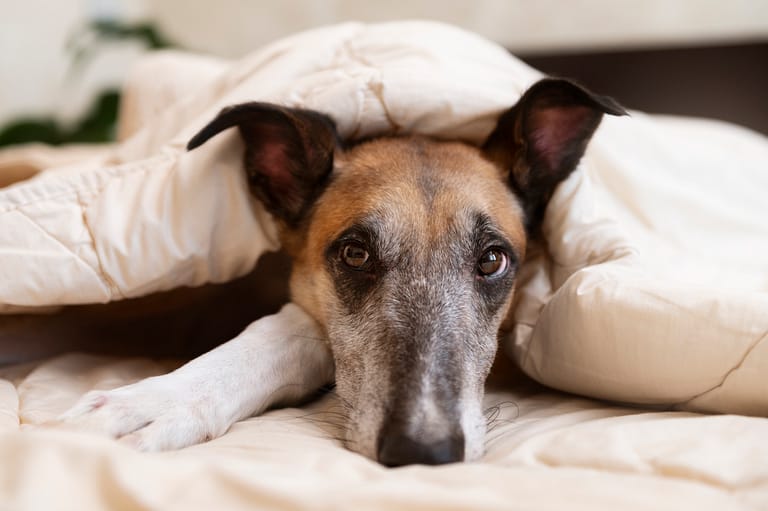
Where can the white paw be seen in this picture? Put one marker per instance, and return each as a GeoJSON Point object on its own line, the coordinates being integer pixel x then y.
{"type": "Point", "coordinates": [154, 414]}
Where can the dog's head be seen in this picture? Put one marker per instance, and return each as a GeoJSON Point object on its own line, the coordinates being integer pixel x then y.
{"type": "Point", "coordinates": [405, 250]}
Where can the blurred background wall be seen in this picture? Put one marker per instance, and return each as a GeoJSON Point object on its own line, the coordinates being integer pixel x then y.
{"type": "Point", "coordinates": [38, 38]}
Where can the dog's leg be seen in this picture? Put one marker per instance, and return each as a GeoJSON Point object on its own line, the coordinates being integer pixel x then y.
{"type": "Point", "coordinates": [277, 359]}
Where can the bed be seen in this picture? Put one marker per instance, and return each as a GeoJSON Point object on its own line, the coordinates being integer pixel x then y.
{"type": "Point", "coordinates": [641, 323]}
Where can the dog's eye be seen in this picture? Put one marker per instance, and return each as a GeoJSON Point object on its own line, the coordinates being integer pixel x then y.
{"type": "Point", "coordinates": [492, 263]}
{"type": "Point", "coordinates": [354, 255]}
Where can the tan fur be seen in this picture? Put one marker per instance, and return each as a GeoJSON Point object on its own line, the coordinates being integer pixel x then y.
{"type": "Point", "coordinates": [385, 173]}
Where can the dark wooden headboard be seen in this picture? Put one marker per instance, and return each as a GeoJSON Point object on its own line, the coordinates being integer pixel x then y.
{"type": "Point", "coordinates": [722, 82]}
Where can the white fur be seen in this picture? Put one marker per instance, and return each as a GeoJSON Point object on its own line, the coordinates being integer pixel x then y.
{"type": "Point", "coordinates": [472, 423]}
{"type": "Point", "coordinates": [278, 358]}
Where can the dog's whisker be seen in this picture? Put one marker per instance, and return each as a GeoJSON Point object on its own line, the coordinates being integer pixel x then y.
{"type": "Point", "coordinates": [495, 411]}
{"type": "Point", "coordinates": [490, 440]}
{"type": "Point", "coordinates": [342, 401]}
{"type": "Point", "coordinates": [495, 420]}
{"type": "Point", "coordinates": [336, 419]}
{"type": "Point", "coordinates": [335, 415]}
{"type": "Point", "coordinates": [499, 423]}
{"type": "Point", "coordinates": [491, 414]}
{"type": "Point", "coordinates": [338, 422]}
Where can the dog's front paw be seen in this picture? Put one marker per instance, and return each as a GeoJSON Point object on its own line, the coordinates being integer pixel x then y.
{"type": "Point", "coordinates": [154, 414]}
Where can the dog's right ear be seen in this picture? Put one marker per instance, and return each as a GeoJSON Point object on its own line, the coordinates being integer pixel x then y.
{"type": "Point", "coordinates": [288, 154]}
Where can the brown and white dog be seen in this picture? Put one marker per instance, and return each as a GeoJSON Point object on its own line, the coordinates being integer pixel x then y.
{"type": "Point", "coordinates": [405, 252]}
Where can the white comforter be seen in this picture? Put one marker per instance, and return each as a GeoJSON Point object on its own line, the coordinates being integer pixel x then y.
{"type": "Point", "coordinates": [655, 290]}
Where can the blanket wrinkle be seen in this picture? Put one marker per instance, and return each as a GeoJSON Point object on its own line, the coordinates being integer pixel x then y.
{"type": "Point", "coordinates": [45, 251]}
{"type": "Point", "coordinates": [114, 289]}
{"type": "Point", "coordinates": [728, 373]}
{"type": "Point", "coordinates": [26, 193]}
{"type": "Point", "coordinates": [59, 242]}
{"type": "Point", "coordinates": [376, 87]}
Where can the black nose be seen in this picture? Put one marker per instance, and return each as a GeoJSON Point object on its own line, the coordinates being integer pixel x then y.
{"type": "Point", "coordinates": [397, 449]}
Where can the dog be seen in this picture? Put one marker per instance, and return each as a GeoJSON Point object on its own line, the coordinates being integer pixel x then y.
{"type": "Point", "coordinates": [405, 251]}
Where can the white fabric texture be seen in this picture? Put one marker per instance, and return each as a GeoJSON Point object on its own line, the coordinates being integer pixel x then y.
{"type": "Point", "coordinates": [655, 243]}
{"type": "Point", "coordinates": [545, 451]}
{"type": "Point", "coordinates": [656, 292]}
{"type": "Point", "coordinates": [655, 289]}
{"type": "Point", "coordinates": [121, 226]}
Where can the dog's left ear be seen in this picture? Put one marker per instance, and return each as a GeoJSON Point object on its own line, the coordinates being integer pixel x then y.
{"type": "Point", "coordinates": [288, 154]}
{"type": "Point", "coordinates": [541, 139]}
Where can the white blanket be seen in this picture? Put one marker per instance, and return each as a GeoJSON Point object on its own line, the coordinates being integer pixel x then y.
{"type": "Point", "coordinates": [545, 451]}
{"type": "Point", "coordinates": [654, 289]}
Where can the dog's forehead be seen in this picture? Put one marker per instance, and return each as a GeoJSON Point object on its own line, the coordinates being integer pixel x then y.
{"type": "Point", "coordinates": [419, 185]}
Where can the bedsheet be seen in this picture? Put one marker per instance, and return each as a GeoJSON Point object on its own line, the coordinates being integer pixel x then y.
{"type": "Point", "coordinates": [545, 450]}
